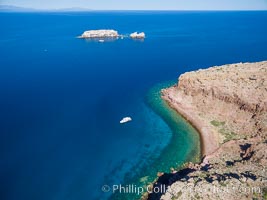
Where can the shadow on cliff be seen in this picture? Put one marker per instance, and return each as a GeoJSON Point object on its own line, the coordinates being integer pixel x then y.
{"type": "Point", "coordinates": [166, 180]}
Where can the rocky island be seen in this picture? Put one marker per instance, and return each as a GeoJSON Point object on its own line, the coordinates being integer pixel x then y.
{"type": "Point", "coordinates": [136, 35]}
{"type": "Point", "coordinates": [108, 33]}
{"type": "Point", "coordinates": [102, 33]}
{"type": "Point", "coordinates": [228, 106]}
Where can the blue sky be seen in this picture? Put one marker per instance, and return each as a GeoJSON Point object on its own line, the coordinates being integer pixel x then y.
{"type": "Point", "coordinates": [143, 4]}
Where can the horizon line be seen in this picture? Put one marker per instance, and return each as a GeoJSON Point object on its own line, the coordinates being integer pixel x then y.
{"type": "Point", "coordinates": [77, 9]}
{"type": "Point", "coordinates": [125, 10]}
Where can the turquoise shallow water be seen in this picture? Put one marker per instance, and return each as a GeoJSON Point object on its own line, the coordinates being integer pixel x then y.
{"type": "Point", "coordinates": [61, 98]}
{"type": "Point", "coordinates": [183, 146]}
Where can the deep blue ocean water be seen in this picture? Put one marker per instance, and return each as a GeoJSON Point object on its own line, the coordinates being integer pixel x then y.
{"type": "Point", "coordinates": [61, 98]}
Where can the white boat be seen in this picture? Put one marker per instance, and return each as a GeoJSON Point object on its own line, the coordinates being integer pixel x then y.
{"type": "Point", "coordinates": [125, 119]}
{"type": "Point", "coordinates": [101, 40]}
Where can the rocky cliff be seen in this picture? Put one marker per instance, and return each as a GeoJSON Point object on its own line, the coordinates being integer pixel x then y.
{"type": "Point", "coordinates": [228, 106]}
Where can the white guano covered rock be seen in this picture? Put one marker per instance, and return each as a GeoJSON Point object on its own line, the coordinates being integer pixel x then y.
{"type": "Point", "coordinates": [100, 34]}
{"type": "Point", "coordinates": [136, 35]}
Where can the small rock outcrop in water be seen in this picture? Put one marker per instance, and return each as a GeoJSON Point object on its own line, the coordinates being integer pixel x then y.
{"type": "Point", "coordinates": [228, 106]}
{"type": "Point", "coordinates": [136, 35]}
{"type": "Point", "coordinates": [100, 34]}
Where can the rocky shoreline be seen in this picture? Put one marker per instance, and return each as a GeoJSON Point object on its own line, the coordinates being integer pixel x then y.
{"type": "Point", "coordinates": [228, 106]}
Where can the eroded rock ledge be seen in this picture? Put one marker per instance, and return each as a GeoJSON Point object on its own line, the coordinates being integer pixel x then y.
{"type": "Point", "coordinates": [228, 106]}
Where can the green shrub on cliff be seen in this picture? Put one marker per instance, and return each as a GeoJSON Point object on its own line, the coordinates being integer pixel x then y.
{"type": "Point", "coordinates": [264, 193]}
{"type": "Point", "coordinates": [217, 123]}
{"type": "Point", "coordinates": [228, 135]}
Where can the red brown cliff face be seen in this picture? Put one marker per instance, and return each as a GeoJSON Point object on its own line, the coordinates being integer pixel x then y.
{"type": "Point", "coordinates": [241, 84]}
{"type": "Point", "coordinates": [228, 106]}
